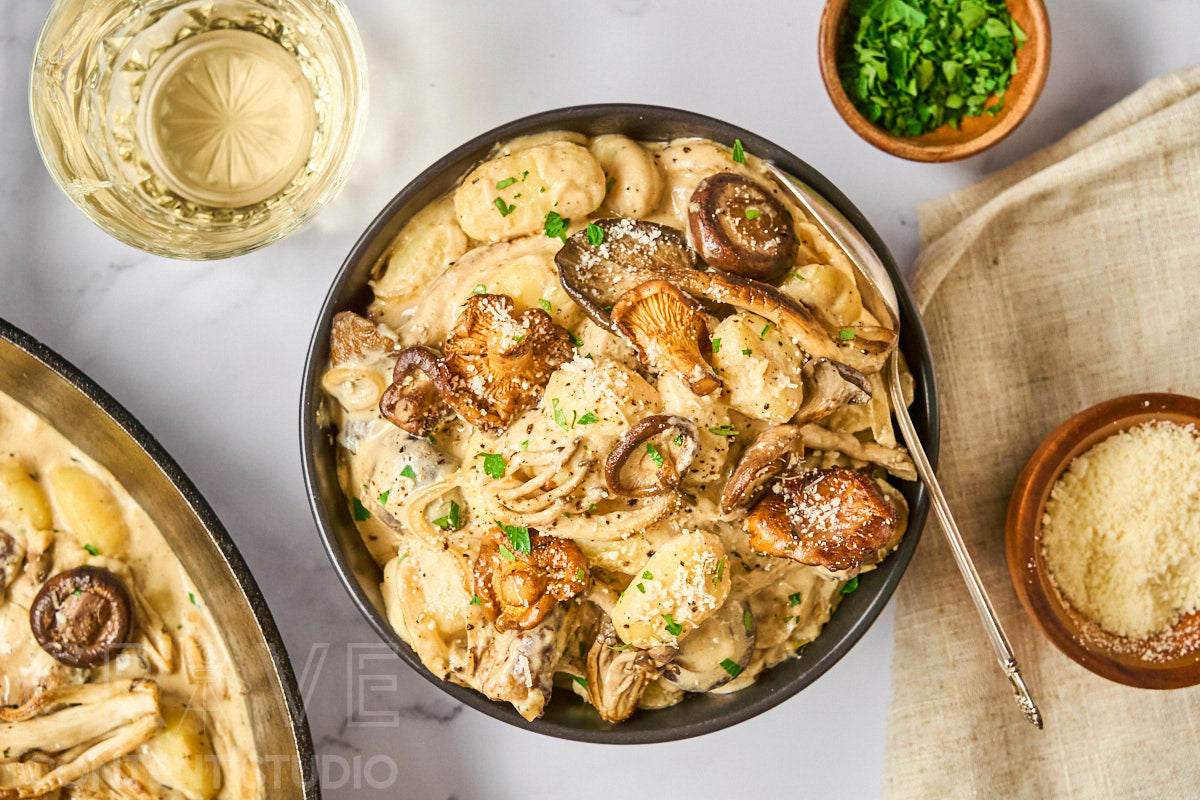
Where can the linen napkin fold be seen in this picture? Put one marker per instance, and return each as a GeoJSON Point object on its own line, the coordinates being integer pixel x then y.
{"type": "Point", "coordinates": [1067, 279]}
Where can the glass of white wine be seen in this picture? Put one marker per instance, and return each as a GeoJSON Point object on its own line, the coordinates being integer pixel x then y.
{"type": "Point", "coordinates": [199, 129]}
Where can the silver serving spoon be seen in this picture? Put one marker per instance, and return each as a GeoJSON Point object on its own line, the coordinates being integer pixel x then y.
{"type": "Point", "coordinates": [879, 297]}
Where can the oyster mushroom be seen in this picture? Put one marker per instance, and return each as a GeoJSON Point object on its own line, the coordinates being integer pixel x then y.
{"type": "Point", "coordinates": [669, 472]}
{"type": "Point", "coordinates": [618, 675]}
{"type": "Point", "coordinates": [833, 518]}
{"type": "Point", "coordinates": [632, 252]}
{"type": "Point", "coordinates": [770, 454]}
{"type": "Point", "coordinates": [517, 590]}
{"type": "Point", "coordinates": [727, 636]}
{"type": "Point", "coordinates": [670, 332]}
{"type": "Point", "coordinates": [738, 226]}
{"type": "Point", "coordinates": [829, 385]}
{"type": "Point", "coordinates": [413, 402]}
{"type": "Point", "coordinates": [82, 616]}
{"type": "Point", "coordinates": [12, 555]}
{"type": "Point", "coordinates": [499, 361]}
{"type": "Point", "coordinates": [353, 337]}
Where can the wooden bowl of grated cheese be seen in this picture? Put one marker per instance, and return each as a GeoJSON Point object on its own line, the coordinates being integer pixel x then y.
{"type": "Point", "coordinates": [1103, 539]}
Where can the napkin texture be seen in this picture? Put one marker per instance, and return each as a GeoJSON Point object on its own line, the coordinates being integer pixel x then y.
{"type": "Point", "coordinates": [1067, 279]}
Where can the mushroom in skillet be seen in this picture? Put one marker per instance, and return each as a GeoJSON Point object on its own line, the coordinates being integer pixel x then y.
{"type": "Point", "coordinates": [669, 331]}
{"type": "Point", "coordinates": [739, 227]}
{"type": "Point", "coordinates": [82, 616]}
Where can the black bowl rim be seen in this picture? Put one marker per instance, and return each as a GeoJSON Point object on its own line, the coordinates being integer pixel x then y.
{"type": "Point", "coordinates": [912, 330]}
{"type": "Point", "coordinates": [200, 507]}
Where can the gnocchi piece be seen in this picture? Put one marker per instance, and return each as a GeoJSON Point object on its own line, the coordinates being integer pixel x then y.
{"type": "Point", "coordinates": [511, 195]}
{"type": "Point", "coordinates": [21, 497]}
{"type": "Point", "coordinates": [635, 181]}
{"type": "Point", "coordinates": [429, 243]}
{"type": "Point", "coordinates": [828, 292]}
{"type": "Point", "coordinates": [679, 587]}
{"type": "Point", "coordinates": [181, 756]}
{"type": "Point", "coordinates": [89, 510]}
{"type": "Point", "coordinates": [539, 139]}
{"type": "Point", "coordinates": [760, 368]}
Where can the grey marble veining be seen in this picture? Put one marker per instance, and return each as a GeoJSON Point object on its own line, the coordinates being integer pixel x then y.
{"type": "Point", "coordinates": [209, 355]}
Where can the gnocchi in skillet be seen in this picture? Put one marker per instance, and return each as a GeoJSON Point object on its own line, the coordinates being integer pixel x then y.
{"type": "Point", "coordinates": [613, 424]}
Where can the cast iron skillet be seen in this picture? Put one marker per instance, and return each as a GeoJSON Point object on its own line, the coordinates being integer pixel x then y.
{"type": "Point", "coordinates": [92, 420]}
{"type": "Point", "coordinates": [567, 717]}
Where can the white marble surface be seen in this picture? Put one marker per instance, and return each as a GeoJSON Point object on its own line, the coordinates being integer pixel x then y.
{"type": "Point", "coordinates": [209, 355]}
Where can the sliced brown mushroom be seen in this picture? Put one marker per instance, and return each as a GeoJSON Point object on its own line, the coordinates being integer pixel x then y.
{"type": "Point", "coordinates": [739, 227]}
{"type": "Point", "coordinates": [82, 616]}
{"type": "Point", "coordinates": [770, 454]}
{"type": "Point", "coordinates": [352, 337]}
{"type": "Point", "coordinates": [12, 554]}
{"type": "Point", "coordinates": [828, 386]}
{"type": "Point", "coordinates": [703, 663]}
{"type": "Point", "coordinates": [517, 590]}
{"type": "Point", "coordinates": [834, 518]}
{"type": "Point", "coordinates": [669, 471]}
{"type": "Point", "coordinates": [413, 402]}
{"type": "Point", "coordinates": [670, 332]}
{"type": "Point", "coordinates": [632, 252]}
{"type": "Point", "coordinates": [499, 361]}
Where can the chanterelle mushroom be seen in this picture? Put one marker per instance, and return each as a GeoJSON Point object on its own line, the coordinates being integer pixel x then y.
{"type": "Point", "coordinates": [834, 518]}
{"type": "Point", "coordinates": [517, 590]}
{"type": "Point", "coordinates": [739, 227]}
{"type": "Point", "coordinates": [670, 332]}
{"type": "Point", "coordinates": [770, 454]}
{"type": "Point", "coordinates": [82, 616]}
{"type": "Point", "coordinates": [632, 252]}
{"type": "Point", "coordinates": [829, 385]}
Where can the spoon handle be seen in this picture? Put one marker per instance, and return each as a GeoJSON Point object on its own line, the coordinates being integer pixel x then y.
{"type": "Point", "coordinates": [979, 596]}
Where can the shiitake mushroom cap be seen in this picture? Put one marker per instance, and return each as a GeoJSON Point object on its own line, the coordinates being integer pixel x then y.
{"type": "Point", "coordinates": [82, 616]}
{"type": "Point", "coordinates": [739, 227]}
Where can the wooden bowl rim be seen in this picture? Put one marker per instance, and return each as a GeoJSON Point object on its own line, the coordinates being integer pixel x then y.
{"type": "Point", "coordinates": [1023, 526]}
{"type": "Point", "coordinates": [911, 148]}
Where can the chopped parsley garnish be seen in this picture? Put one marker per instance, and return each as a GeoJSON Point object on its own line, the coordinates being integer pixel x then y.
{"type": "Point", "coordinates": [479, 289]}
{"type": "Point", "coordinates": [851, 585]}
{"type": "Point", "coordinates": [608, 184]}
{"type": "Point", "coordinates": [79, 591]}
{"type": "Point", "coordinates": [620, 648]}
{"type": "Point", "coordinates": [6, 752]}
{"type": "Point", "coordinates": [641, 588]}
{"type": "Point", "coordinates": [493, 464]}
{"type": "Point", "coordinates": [545, 305]}
{"type": "Point", "coordinates": [655, 456]}
{"type": "Point", "coordinates": [504, 208]}
{"type": "Point", "coordinates": [753, 213]}
{"type": "Point", "coordinates": [746, 352]}
{"type": "Point", "coordinates": [524, 175]}
{"type": "Point", "coordinates": [673, 627]}
{"type": "Point", "coordinates": [508, 554]}
{"type": "Point", "coordinates": [582, 681]}
{"type": "Point", "coordinates": [794, 599]}
{"type": "Point", "coordinates": [556, 225]}
{"type": "Point", "coordinates": [581, 575]}
{"type": "Point", "coordinates": [588, 419]}
{"type": "Point", "coordinates": [846, 334]}
{"type": "Point", "coordinates": [796, 275]}
{"type": "Point", "coordinates": [575, 340]}
{"type": "Point", "coordinates": [739, 152]}
{"type": "Point", "coordinates": [724, 430]}
{"type": "Point", "coordinates": [453, 519]}
{"type": "Point", "coordinates": [914, 66]}
{"type": "Point", "coordinates": [731, 666]}
{"type": "Point", "coordinates": [518, 537]}
{"type": "Point", "coordinates": [678, 440]}
{"type": "Point", "coordinates": [475, 601]}
{"type": "Point", "coordinates": [525, 445]}
{"type": "Point", "coordinates": [595, 234]}
{"type": "Point", "coordinates": [747, 620]}
{"type": "Point", "coordinates": [504, 184]}
{"type": "Point", "coordinates": [518, 338]}
{"type": "Point", "coordinates": [716, 344]}
{"type": "Point", "coordinates": [360, 512]}
{"type": "Point", "coordinates": [92, 550]}
{"type": "Point", "coordinates": [647, 575]}
{"type": "Point", "coordinates": [408, 472]}
{"type": "Point", "coordinates": [560, 418]}
{"type": "Point", "coordinates": [763, 333]}
{"type": "Point", "coordinates": [383, 496]}
{"type": "Point", "coordinates": [720, 571]}
{"type": "Point", "coordinates": [192, 598]}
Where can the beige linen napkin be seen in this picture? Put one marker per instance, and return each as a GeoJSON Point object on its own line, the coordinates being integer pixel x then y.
{"type": "Point", "coordinates": [1067, 279]}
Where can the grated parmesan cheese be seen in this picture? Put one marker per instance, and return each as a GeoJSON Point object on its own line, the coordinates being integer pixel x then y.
{"type": "Point", "coordinates": [1121, 532]}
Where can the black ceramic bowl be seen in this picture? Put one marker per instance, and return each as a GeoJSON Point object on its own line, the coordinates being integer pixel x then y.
{"type": "Point", "coordinates": [93, 421]}
{"type": "Point", "coordinates": [567, 717]}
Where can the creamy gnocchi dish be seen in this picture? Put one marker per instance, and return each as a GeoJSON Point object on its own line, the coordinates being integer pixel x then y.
{"type": "Point", "coordinates": [113, 680]}
{"type": "Point", "coordinates": [614, 424]}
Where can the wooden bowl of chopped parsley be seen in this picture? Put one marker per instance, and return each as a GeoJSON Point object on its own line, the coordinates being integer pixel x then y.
{"type": "Point", "coordinates": [934, 80]}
